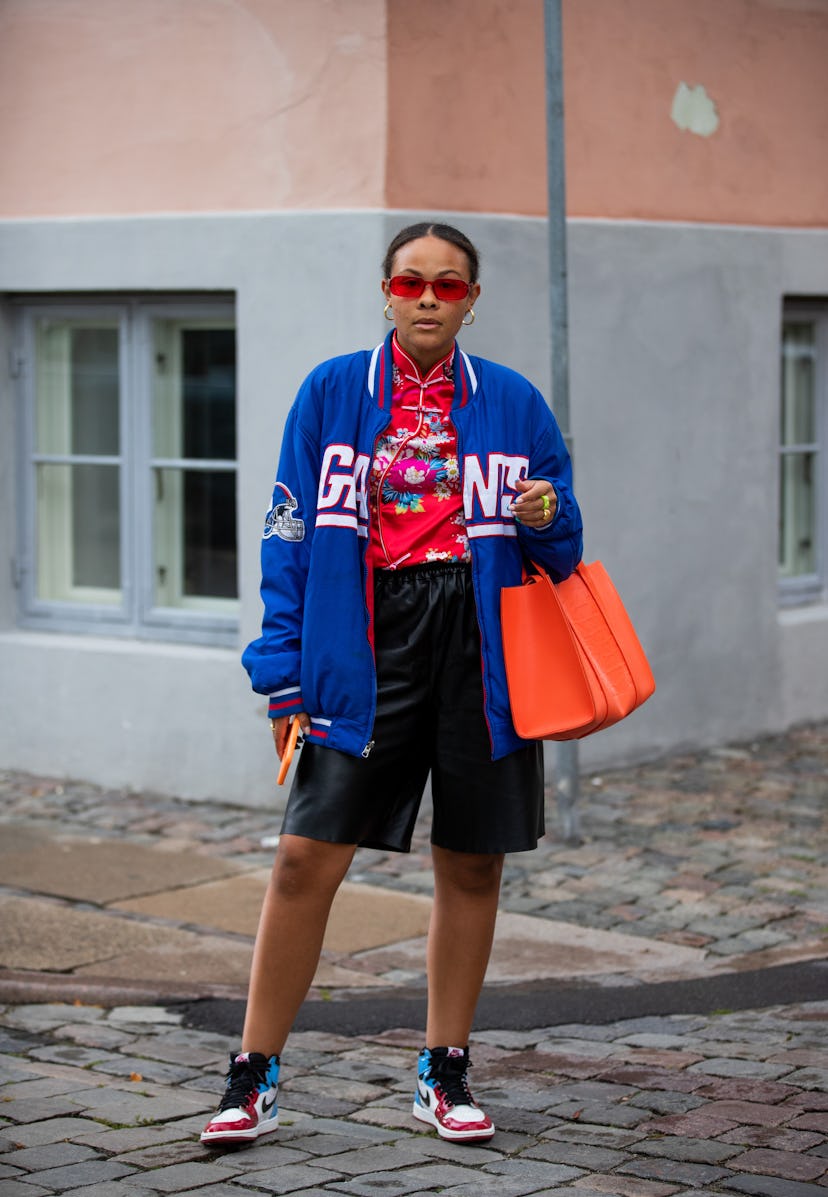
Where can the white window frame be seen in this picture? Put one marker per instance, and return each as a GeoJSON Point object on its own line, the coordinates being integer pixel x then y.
{"type": "Point", "coordinates": [811, 587]}
{"type": "Point", "coordinates": [175, 461]}
{"type": "Point", "coordinates": [138, 614]}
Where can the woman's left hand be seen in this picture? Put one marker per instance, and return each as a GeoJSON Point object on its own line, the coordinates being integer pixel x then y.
{"type": "Point", "coordinates": [537, 503]}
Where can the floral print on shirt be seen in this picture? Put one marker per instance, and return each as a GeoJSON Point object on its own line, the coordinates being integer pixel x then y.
{"type": "Point", "coordinates": [415, 473]}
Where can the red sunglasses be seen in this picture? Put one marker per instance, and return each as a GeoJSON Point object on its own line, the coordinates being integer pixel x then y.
{"type": "Point", "coordinates": [411, 286]}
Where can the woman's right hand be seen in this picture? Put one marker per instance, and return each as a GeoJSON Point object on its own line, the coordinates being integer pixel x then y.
{"type": "Point", "coordinates": [280, 727]}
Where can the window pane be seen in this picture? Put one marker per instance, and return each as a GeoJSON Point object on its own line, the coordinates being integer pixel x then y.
{"type": "Point", "coordinates": [210, 534]}
{"type": "Point", "coordinates": [76, 387]}
{"type": "Point", "coordinates": [195, 390]}
{"type": "Point", "coordinates": [78, 533]}
{"type": "Point", "coordinates": [797, 512]}
{"type": "Point", "coordinates": [143, 524]}
{"type": "Point", "coordinates": [209, 393]}
{"type": "Point", "coordinates": [195, 538]}
{"type": "Point", "coordinates": [798, 393]}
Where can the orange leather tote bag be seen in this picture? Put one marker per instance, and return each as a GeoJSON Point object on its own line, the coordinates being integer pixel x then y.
{"type": "Point", "coordinates": [574, 664]}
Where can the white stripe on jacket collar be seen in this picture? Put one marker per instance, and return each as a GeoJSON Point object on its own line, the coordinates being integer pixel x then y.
{"type": "Point", "coordinates": [372, 370]}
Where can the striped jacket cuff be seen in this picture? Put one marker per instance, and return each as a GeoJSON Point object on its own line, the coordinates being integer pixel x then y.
{"type": "Point", "coordinates": [285, 702]}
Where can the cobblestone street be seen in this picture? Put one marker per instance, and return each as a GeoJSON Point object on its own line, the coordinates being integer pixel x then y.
{"type": "Point", "coordinates": [704, 868]}
{"type": "Point", "coordinates": [111, 1103]}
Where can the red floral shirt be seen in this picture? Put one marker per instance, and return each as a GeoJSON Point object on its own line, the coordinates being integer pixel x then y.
{"type": "Point", "coordinates": [416, 502]}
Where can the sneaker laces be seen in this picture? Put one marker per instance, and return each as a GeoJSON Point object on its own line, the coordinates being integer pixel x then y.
{"type": "Point", "coordinates": [243, 1078]}
{"type": "Point", "coordinates": [452, 1077]}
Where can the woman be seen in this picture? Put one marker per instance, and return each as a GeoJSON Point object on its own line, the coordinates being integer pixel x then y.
{"type": "Point", "coordinates": [412, 481]}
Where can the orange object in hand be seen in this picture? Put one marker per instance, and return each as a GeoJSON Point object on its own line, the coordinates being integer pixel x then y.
{"type": "Point", "coordinates": [287, 755]}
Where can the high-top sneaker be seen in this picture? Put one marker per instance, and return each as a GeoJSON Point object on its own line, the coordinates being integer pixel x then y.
{"type": "Point", "coordinates": [248, 1108]}
{"type": "Point", "coordinates": [443, 1098]}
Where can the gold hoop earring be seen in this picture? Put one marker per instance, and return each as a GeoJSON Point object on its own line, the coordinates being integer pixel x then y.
{"type": "Point", "coordinates": [386, 310]}
{"type": "Point", "coordinates": [469, 323]}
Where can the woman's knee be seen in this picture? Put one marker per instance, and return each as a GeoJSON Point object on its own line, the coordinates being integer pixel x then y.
{"type": "Point", "coordinates": [468, 872]}
{"type": "Point", "coordinates": [303, 866]}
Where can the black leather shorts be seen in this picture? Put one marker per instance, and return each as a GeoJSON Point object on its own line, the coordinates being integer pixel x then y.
{"type": "Point", "coordinates": [429, 720]}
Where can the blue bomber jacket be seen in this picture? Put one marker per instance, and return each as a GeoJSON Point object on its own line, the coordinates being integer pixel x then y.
{"type": "Point", "coordinates": [315, 652]}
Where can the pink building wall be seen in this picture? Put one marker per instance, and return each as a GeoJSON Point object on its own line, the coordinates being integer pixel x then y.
{"type": "Point", "coordinates": [765, 65]}
{"type": "Point", "coordinates": [475, 140]}
{"type": "Point", "coordinates": [142, 106]}
{"type": "Point", "coordinates": [130, 106]}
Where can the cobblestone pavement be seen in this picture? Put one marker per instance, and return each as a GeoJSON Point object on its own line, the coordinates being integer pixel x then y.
{"type": "Point", "coordinates": [109, 1104]}
{"type": "Point", "coordinates": [722, 852]}
{"type": "Point", "coordinates": [726, 851]}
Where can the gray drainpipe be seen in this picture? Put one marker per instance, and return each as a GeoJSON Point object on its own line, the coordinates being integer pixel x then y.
{"type": "Point", "coordinates": [566, 759]}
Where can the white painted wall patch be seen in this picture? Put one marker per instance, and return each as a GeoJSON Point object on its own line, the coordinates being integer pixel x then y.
{"type": "Point", "coordinates": [694, 110]}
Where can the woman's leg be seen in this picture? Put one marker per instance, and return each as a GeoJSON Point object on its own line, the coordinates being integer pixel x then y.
{"type": "Point", "coordinates": [466, 892]}
{"type": "Point", "coordinates": [306, 875]}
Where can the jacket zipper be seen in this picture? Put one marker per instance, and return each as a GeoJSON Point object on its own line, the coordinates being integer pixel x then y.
{"type": "Point", "coordinates": [474, 594]}
{"type": "Point", "coordinates": [366, 751]}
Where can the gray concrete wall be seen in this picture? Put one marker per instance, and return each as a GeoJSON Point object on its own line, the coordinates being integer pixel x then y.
{"type": "Point", "coordinates": [674, 356]}
{"type": "Point", "coordinates": [8, 465]}
{"type": "Point", "coordinates": [178, 718]}
{"type": "Point", "coordinates": [675, 377]}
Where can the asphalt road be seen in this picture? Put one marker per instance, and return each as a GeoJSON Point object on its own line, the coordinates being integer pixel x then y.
{"type": "Point", "coordinates": [541, 1004]}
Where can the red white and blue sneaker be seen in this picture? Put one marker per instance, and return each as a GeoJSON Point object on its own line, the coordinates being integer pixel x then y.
{"type": "Point", "coordinates": [443, 1098]}
{"type": "Point", "coordinates": [248, 1108]}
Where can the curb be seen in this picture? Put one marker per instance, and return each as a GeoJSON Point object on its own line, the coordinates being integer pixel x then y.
{"type": "Point", "coordinates": [539, 1004]}
{"type": "Point", "coordinates": [514, 1006]}
{"type": "Point", "coordinates": [25, 988]}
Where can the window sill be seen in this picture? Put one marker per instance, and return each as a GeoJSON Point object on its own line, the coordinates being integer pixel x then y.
{"type": "Point", "coordinates": [816, 612]}
{"type": "Point", "coordinates": [114, 645]}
